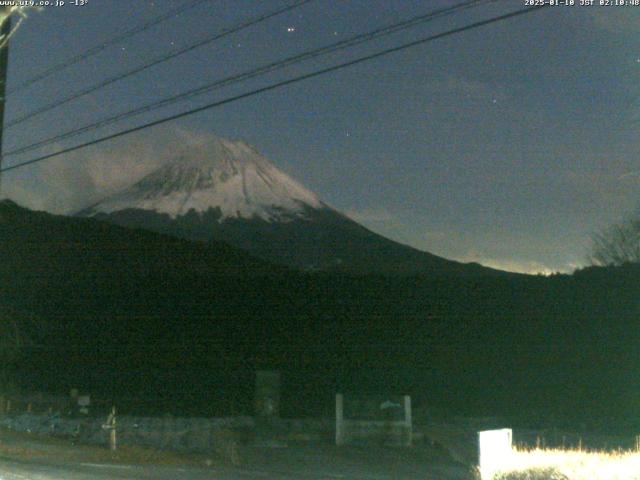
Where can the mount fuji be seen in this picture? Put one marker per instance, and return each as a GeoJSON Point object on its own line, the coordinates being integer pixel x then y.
{"type": "Point", "coordinates": [226, 191]}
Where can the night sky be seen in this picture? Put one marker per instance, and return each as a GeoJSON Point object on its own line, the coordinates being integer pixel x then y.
{"type": "Point", "coordinates": [509, 144]}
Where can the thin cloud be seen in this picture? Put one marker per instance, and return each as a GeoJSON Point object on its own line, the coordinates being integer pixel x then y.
{"type": "Point", "coordinates": [619, 21]}
{"type": "Point", "coordinates": [370, 215]}
{"type": "Point", "coordinates": [67, 184]}
{"type": "Point", "coordinates": [463, 87]}
{"type": "Point", "coordinates": [630, 175]}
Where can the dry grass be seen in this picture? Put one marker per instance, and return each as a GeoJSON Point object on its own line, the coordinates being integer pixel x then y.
{"type": "Point", "coordinates": [227, 447]}
{"type": "Point", "coordinates": [35, 447]}
{"type": "Point", "coordinates": [542, 464]}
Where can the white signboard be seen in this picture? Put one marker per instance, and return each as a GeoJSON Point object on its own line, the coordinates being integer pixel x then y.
{"type": "Point", "coordinates": [494, 450]}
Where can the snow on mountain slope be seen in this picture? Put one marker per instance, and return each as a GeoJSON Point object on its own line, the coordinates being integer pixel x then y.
{"type": "Point", "coordinates": [222, 174]}
{"type": "Point", "coordinates": [226, 191]}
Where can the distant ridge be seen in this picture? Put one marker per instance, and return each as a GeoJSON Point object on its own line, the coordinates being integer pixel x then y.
{"type": "Point", "coordinates": [226, 191]}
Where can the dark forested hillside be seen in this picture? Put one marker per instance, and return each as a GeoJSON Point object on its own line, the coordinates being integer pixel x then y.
{"type": "Point", "coordinates": [156, 322]}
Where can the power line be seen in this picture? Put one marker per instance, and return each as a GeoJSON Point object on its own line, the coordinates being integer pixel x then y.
{"type": "Point", "coordinates": [280, 84]}
{"type": "Point", "coordinates": [99, 48]}
{"type": "Point", "coordinates": [334, 47]}
{"type": "Point", "coordinates": [158, 60]}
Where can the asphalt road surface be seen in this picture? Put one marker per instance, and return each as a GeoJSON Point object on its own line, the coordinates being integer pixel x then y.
{"type": "Point", "coordinates": [310, 465]}
{"type": "Point", "coordinates": [12, 470]}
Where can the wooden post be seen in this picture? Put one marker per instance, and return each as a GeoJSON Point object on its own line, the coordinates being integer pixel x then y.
{"type": "Point", "coordinates": [168, 427]}
{"type": "Point", "coordinates": [110, 425]}
{"type": "Point", "coordinates": [408, 421]}
{"type": "Point", "coordinates": [339, 419]}
{"type": "Point", "coordinates": [267, 396]}
{"type": "Point", "coordinates": [113, 440]}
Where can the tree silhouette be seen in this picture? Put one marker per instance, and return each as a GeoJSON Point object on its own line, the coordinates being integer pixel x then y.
{"type": "Point", "coordinates": [618, 244]}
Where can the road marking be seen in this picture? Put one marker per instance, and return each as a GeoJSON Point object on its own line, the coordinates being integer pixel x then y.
{"type": "Point", "coordinates": [105, 465]}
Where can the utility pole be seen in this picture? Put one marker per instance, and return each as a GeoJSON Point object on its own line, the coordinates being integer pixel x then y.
{"type": "Point", "coordinates": [5, 17]}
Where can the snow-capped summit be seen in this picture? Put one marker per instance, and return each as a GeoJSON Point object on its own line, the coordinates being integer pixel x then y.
{"type": "Point", "coordinates": [226, 191]}
{"type": "Point", "coordinates": [227, 175]}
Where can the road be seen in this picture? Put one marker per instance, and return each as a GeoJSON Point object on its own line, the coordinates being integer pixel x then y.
{"type": "Point", "coordinates": [310, 467]}
{"type": "Point", "coordinates": [12, 470]}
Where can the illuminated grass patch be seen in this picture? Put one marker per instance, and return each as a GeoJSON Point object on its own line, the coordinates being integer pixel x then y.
{"type": "Point", "coordinates": [541, 464]}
